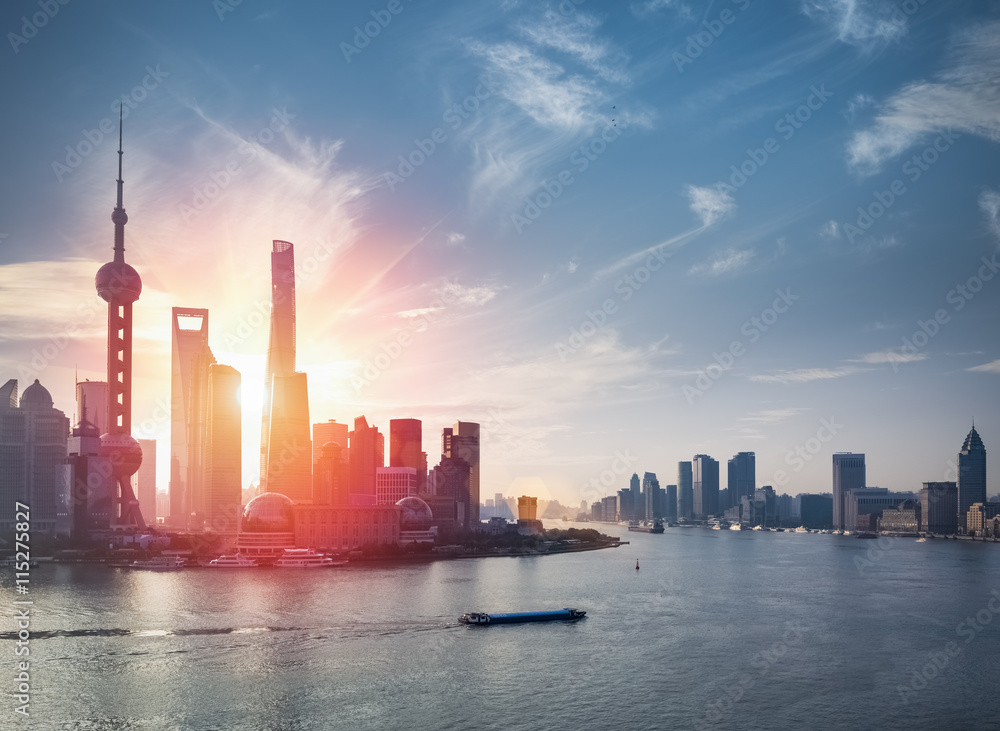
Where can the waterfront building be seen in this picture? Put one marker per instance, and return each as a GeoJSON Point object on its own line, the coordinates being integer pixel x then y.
{"type": "Point", "coordinates": [332, 476]}
{"type": "Point", "coordinates": [33, 468]}
{"type": "Point", "coordinates": [462, 442]}
{"type": "Point", "coordinates": [863, 507]}
{"type": "Point", "coordinates": [816, 511]}
{"type": "Point", "coordinates": [367, 454]}
{"type": "Point", "coordinates": [416, 522]}
{"type": "Point", "coordinates": [742, 478]}
{"type": "Point", "coordinates": [971, 476]}
{"type": "Point", "coordinates": [904, 518]}
{"type": "Point", "coordinates": [406, 448]}
{"type": "Point", "coordinates": [635, 503]}
{"type": "Point", "coordinates": [285, 449]}
{"type": "Point", "coordinates": [705, 484]}
{"type": "Point", "coordinates": [190, 359]}
{"type": "Point", "coordinates": [670, 507]}
{"type": "Point", "coordinates": [222, 484]}
{"type": "Point", "coordinates": [848, 474]}
{"type": "Point", "coordinates": [939, 508]}
{"type": "Point", "coordinates": [652, 492]}
{"type": "Point", "coordinates": [685, 492]}
{"type": "Point", "coordinates": [392, 484]}
{"type": "Point", "coordinates": [979, 516]}
{"type": "Point", "coordinates": [765, 506]}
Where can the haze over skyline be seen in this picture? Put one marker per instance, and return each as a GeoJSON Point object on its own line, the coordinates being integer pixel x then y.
{"type": "Point", "coordinates": [594, 228]}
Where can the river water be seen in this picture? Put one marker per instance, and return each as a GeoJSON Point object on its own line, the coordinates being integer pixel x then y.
{"type": "Point", "coordinates": [718, 629]}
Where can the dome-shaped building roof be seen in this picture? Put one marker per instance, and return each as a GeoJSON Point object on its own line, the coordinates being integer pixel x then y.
{"type": "Point", "coordinates": [271, 512]}
{"type": "Point", "coordinates": [36, 396]}
{"type": "Point", "coordinates": [415, 514]}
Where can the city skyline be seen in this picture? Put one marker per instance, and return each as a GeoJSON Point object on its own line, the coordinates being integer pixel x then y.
{"type": "Point", "coordinates": [427, 296]}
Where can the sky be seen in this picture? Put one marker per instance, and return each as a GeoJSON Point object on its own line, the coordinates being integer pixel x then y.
{"type": "Point", "coordinates": [615, 234]}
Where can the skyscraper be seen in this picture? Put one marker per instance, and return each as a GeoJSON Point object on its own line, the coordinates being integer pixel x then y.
{"type": "Point", "coordinates": [971, 476]}
{"type": "Point", "coordinates": [670, 513]}
{"type": "Point", "coordinates": [328, 431]}
{"type": "Point", "coordinates": [848, 474]}
{"type": "Point", "coordinates": [367, 454]}
{"type": "Point", "coordinates": [685, 491]}
{"type": "Point", "coordinates": [635, 503]}
{"type": "Point", "coordinates": [92, 398]}
{"type": "Point", "coordinates": [33, 435]}
{"type": "Point", "coordinates": [145, 480]}
{"type": "Point", "coordinates": [462, 442]}
{"type": "Point", "coordinates": [119, 285]}
{"type": "Point", "coordinates": [705, 482]}
{"type": "Point", "coordinates": [222, 498]}
{"type": "Point", "coordinates": [651, 491]}
{"type": "Point", "coordinates": [406, 448]}
{"type": "Point", "coordinates": [742, 478]}
{"type": "Point", "coordinates": [190, 359]}
{"type": "Point", "coordinates": [285, 448]}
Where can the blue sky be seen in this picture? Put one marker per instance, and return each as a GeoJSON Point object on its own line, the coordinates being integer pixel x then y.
{"type": "Point", "coordinates": [616, 234]}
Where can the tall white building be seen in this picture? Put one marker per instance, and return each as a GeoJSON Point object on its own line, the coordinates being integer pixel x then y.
{"type": "Point", "coordinates": [848, 474]}
{"type": "Point", "coordinates": [392, 484]}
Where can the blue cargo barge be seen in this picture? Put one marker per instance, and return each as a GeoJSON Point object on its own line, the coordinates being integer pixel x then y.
{"type": "Point", "coordinates": [511, 617]}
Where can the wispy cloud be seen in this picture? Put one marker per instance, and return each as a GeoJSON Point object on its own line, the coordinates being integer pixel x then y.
{"type": "Point", "coordinates": [892, 355]}
{"type": "Point", "coordinates": [805, 375]}
{"type": "Point", "coordinates": [454, 292]}
{"type": "Point", "coordinates": [859, 22]}
{"type": "Point", "coordinates": [710, 204]}
{"type": "Point", "coordinates": [989, 203]}
{"type": "Point", "coordinates": [856, 104]}
{"type": "Point", "coordinates": [964, 98]}
{"type": "Point", "coordinates": [770, 417]}
{"type": "Point", "coordinates": [991, 367]}
{"type": "Point", "coordinates": [830, 230]}
{"type": "Point", "coordinates": [574, 35]}
{"type": "Point", "coordinates": [455, 239]}
{"type": "Point", "coordinates": [726, 262]}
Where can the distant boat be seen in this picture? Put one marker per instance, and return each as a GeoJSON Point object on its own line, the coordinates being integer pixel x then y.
{"type": "Point", "coordinates": [866, 534]}
{"type": "Point", "coordinates": [758, 527]}
{"type": "Point", "coordinates": [158, 563]}
{"type": "Point", "coordinates": [305, 558]}
{"type": "Point", "coordinates": [637, 564]}
{"type": "Point", "coordinates": [736, 526]}
{"type": "Point", "coordinates": [232, 561]}
{"type": "Point", "coordinates": [801, 529]}
{"type": "Point", "coordinates": [636, 526]}
{"type": "Point", "coordinates": [482, 618]}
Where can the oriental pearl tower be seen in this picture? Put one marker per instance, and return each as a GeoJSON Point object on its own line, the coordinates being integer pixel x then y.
{"type": "Point", "coordinates": [119, 285]}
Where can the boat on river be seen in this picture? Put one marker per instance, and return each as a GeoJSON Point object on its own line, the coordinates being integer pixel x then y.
{"type": "Point", "coordinates": [481, 618]}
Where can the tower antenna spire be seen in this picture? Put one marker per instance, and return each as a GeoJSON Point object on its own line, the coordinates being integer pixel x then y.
{"type": "Point", "coordinates": [119, 216]}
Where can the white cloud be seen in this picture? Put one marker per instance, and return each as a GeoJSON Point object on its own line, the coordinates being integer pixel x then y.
{"type": "Point", "coordinates": [772, 416]}
{"type": "Point", "coordinates": [710, 204]}
{"type": "Point", "coordinates": [572, 266]}
{"type": "Point", "coordinates": [455, 293]}
{"type": "Point", "coordinates": [859, 22]}
{"type": "Point", "coordinates": [575, 36]}
{"type": "Point", "coordinates": [965, 98]}
{"type": "Point", "coordinates": [805, 375]}
{"type": "Point", "coordinates": [830, 230]}
{"type": "Point", "coordinates": [856, 104]}
{"type": "Point", "coordinates": [728, 261]}
{"type": "Point", "coordinates": [890, 356]}
{"type": "Point", "coordinates": [989, 202]}
{"type": "Point", "coordinates": [650, 7]}
{"type": "Point", "coordinates": [992, 367]}
{"type": "Point", "coordinates": [455, 238]}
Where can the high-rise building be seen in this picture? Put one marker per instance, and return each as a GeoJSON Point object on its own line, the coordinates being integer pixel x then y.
{"type": "Point", "coordinates": [705, 483]}
{"type": "Point", "coordinates": [392, 484]}
{"type": "Point", "coordinates": [92, 484]}
{"type": "Point", "coordinates": [332, 475]}
{"type": "Point", "coordinates": [190, 359]}
{"type": "Point", "coordinates": [848, 474]}
{"type": "Point", "coordinates": [145, 480]}
{"type": "Point", "coordinates": [651, 491]}
{"type": "Point", "coordinates": [119, 285]}
{"type": "Point", "coordinates": [33, 470]}
{"type": "Point", "coordinates": [635, 510]}
{"type": "Point", "coordinates": [971, 476]}
{"type": "Point", "coordinates": [863, 507]}
{"type": "Point", "coordinates": [685, 492]}
{"type": "Point", "coordinates": [328, 431]}
{"type": "Point", "coordinates": [92, 398]}
{"type": "Point", "coordinates": [742, 478]}
{"type": "Point", "coordinates": [285, 448]}
{"type": "Point", "coordinates": [816, 511]}
{"type": "Point", "coordinates": [367, 454]}
{"type": "Point", "coordinates": [939, 508]}
{"type": "Point", "coordinates": [406, 447]}
{"type": "Point", "coordinates": [289, 462]}
{"type": "Point", "coordinates": [670, 508]}
{"type": "Point", "coordinates": [222, 500]}
{"type": "Point", "coordinates": [462, 442]}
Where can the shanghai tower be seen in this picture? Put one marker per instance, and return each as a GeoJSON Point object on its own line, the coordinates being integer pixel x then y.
{"type": "Point", "coordinates": [119, 285]}
{"type": "Point", "coordinates": [285, 447]}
